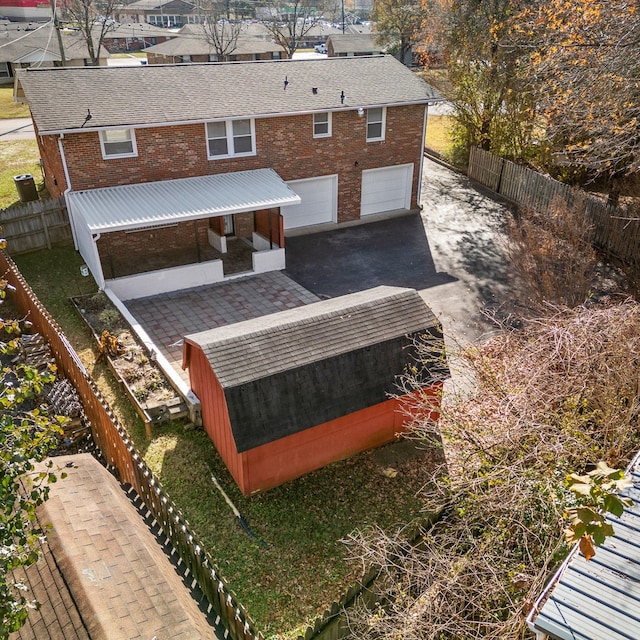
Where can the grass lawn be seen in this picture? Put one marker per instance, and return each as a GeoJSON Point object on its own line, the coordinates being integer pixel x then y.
{"type": "Point", "coordinates": [302, 568]}
{"type": "Point", "coordinates": [9, 108]}
{"type": "Point", "coordinates": [17, 157]}
{"type": "Point", "coordinates": [438, 135]}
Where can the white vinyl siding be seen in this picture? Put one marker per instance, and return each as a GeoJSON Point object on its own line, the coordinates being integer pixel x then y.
{"type": "Point", "coordinates": [376, 124]}
{"type": "Point", "coordinates": [118, 143]}
{"type": "Point", "coordinates": [230, 138]}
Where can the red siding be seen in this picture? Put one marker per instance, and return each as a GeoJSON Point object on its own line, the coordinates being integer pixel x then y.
{"type": "Point", "coordinates": [285, 144]}
{"type": "Point", "coordinates": [273, 464]}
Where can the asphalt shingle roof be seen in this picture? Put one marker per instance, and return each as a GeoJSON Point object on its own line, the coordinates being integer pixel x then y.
{"type": "Point", "coordinates": [292, 370]}
{"type": "Point", "coordinates": [159, 94]}
{"type": "Point", "coordinates": [355, 42]}
{"type": "Point", "coordinates": [197, 45]}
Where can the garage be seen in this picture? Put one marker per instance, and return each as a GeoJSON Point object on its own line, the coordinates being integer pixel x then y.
{"type": "Point", "coordinates": [386, 189]}
{"type": "Point", "coordinates": [319, 202]}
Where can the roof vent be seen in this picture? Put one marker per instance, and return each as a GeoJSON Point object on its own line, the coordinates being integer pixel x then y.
{"type": "Point", "coordinates": [314, 90]}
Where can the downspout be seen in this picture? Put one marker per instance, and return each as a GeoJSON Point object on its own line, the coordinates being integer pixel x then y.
{"type": "Point", "coordinates": [67, 179]}
{"type": "Point", "coordinates": [424, 138]}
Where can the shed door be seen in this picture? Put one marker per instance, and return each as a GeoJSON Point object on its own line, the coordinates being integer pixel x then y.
{"type": "Point", "coordinates": [386, 189]}
{"type": "Point", "coordinates": [319, 202]}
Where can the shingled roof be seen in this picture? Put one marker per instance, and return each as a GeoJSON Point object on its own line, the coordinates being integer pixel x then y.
{"type": "Point", "coordinates": [295, 369]}
{"type": "Point", "coordinates": [165, 94]}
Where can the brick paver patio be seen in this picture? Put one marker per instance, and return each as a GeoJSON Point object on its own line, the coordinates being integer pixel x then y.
{"type": "Point", "coordinates": [167, 318]}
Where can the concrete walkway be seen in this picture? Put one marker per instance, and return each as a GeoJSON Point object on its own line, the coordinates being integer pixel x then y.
{"type": "Point", "coordinates": [16, 129]}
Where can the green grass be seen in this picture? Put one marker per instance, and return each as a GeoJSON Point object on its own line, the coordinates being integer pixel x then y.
{"type": "Point", "coordinates": [17, 157]}
{"type": "Point", "coordinates": [9, 108]}
{"type": "Point", "coordinates": [286, 584]}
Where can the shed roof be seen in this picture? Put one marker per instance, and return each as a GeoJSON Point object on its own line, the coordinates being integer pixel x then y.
{"type": "Point", "coordinates": [598, 599]}
{"type": "Point", "coordinates": [261, 347]}
{"type": "Point", "coordinates": [296, 369]}
{"type": "Point", "coordinates": [164, 94]}
{"type": "Point", "coordinates": [135, 206]}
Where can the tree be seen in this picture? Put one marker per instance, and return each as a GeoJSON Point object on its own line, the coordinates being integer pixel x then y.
{"type": "Point", "coordinates": [494, 109]}
{"type": "Point", "coordinates": [289, 24]}
{"type": "Point", "coordinates": [218, 29]}
{"type": "Point", "coordinates": [398, 25]}
{"type": "Point", "coordinates": [27, 433]}
{"type": "Point", "coordinates": [584, 61]}
{"type": "Point", "coordinates": [94, 22]}
{"type": "Point", "coordinates": [555, 395]}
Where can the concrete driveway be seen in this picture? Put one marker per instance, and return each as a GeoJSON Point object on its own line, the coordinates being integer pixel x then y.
{"type": "Point", "coordinates": [16, 129]}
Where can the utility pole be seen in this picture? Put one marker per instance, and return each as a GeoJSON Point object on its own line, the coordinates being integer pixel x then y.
{"type": "Point", "coordinates": [56, 26]}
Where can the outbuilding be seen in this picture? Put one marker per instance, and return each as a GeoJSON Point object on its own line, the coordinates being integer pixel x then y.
{"type": "Point", "coordinates": [288, 393]}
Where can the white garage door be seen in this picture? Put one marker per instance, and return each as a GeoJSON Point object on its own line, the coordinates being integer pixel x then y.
{"type": "Point", "coordinates": [319, 202]}
{"type": "Point", "coordinates": [386, 189]}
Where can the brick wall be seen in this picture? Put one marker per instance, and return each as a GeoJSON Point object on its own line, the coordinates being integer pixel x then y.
{"type": "Point", "coordinates": [285, 144]}
{"type": "Point", "coordinates": [120, 250]}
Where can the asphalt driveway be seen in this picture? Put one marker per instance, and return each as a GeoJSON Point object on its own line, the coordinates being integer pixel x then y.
{"type": "Point", "coordinates": [389, 252]}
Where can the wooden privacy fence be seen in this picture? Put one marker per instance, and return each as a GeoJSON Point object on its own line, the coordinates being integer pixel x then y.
{"type": "Point", "coordinates": [41, 224]}
{"type": "Point", "coordinates": [613, 231]}
{"type": "Point", "coordinates": [121, 455]}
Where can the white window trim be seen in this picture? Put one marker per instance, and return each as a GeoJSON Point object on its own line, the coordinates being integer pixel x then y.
{"type": "Point", "coordinates": [329, 127]}
{"type": "Point", "coordinates": [114, 156]}
{"type": "Point", "coordinates": [383, 128]}
{"type": "Point", "coordinates": [229, 132]}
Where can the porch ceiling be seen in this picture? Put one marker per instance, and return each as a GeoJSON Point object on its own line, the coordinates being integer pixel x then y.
{"type": "Point", "coordinates": [137, 206]}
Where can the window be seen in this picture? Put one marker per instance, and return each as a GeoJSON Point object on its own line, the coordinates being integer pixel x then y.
{"type": "Point", "coordinates": [322, 125]}
{"type": "Point", "coordinates": [375, 124]}
{"type": "Point", "coordinates": [118, 143]}
{"type": "Point", "coordinates": [229, 138]}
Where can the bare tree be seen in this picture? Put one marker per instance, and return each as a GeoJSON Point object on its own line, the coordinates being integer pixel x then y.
{"type": "Point", "coordinates": [548, 399]}
{"type": "Point", "coordinates": [94, 21]}
{"type": "Point", "coordinates": [290, 23]}
{"type": "Point", "coordinates": [219, 29]}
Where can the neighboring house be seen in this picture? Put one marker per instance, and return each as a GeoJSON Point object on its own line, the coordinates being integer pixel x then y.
{"type": "Point", "coordinates": [293, 391]}
{"type": "Point", "coordinates": [597, 599]}
{"type": "Point", "coordinates": [360, 44]}
{"type": "Point", "coordinates": [168, 166]}
{"type": "Point", "coordinates": [192, 46]}
{"type": "Point", "coordinates": [102, 573]}
{"type": "Point", "coordinates": [135, 36]}
{"type": "Point", "coordinates": [36, 45]}
{"type": "Point", "coordinates": [161, 13]}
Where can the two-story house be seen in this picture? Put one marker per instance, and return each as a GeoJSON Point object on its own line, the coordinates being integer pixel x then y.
{"type": "Point", "coordinates": [165, 167]}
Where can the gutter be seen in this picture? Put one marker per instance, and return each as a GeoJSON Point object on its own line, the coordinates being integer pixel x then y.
{"type": "Point", "coordinates": [258, 116]}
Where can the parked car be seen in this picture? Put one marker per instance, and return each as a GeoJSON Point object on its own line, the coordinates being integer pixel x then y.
{"type": "Point", "coordinates": [321, 48]}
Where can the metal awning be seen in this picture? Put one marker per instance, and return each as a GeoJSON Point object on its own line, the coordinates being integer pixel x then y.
{"type": "Point", "coordinates": [137, 206]}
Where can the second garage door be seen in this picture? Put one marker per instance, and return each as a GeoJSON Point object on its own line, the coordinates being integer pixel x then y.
{"type": "Point", "coordinates": [319, 202]}
{"type": "Point", "coordinates": [386, 189]}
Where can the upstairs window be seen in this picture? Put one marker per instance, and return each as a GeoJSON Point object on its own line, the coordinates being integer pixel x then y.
{"type": "Point", "coordinates": [322, 125]}
{"type": "Point", "coordinates": [375, 124]}
{"type": "Point", "coordinates": [229, 138]}
{"type": "Point", "coordinates": [118, 143]}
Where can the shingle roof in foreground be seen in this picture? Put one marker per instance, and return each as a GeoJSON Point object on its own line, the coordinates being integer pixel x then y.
{"type": "Point", "coordinates": [163, 94]}
{"type": "Point", "coordinates": [598, 599]}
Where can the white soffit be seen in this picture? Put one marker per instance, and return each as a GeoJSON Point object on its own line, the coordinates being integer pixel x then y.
{"type": "Point", "coordinates": [137, 206]}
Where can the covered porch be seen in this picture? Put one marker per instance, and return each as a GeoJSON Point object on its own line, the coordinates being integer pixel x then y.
{"type": "Point", "coordinates": [151, 238]}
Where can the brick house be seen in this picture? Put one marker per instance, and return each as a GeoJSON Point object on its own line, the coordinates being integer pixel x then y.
{"type": "Point", "coordinates": [161, 13]}
{"type": "Point", "coordinates": [167, 168]}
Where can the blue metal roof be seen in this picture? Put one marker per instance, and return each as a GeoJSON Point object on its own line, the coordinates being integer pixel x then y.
{"type": "Point", "coordinates": [598, 599]}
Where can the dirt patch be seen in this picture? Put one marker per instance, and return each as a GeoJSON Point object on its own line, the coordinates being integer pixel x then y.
{"type": "Point", "coordinates": [131, 361]}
